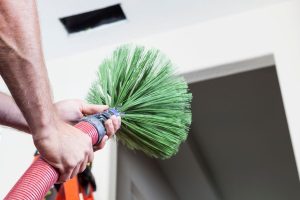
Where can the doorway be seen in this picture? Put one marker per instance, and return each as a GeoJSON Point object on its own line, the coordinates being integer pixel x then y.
{"type": "Point", "coordinates": [239, 147]}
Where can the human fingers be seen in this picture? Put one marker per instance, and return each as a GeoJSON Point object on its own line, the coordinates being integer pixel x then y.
{"type": "Point", "coordinates": [102, 143]}
{"type": "Point", "coordinates": [83, 164]}
{"type": "Point", "coordinates": [116, 122]}
{"type": "Point", "coordinates": [110, 129]}
{"type": "Point", "coordinates": [89, 157]}
{"type": "Point", "coordinates": [90, 109]}
{"type": "Point", "coordinates": [120, 121]}
{"type": "Point", "coordinates": [65, 175]}
{"type": "Point", "coordinates": [75, 171]}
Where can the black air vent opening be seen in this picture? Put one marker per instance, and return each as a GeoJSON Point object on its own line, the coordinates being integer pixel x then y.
{"type": "Point", "coordinates": [92, 19]}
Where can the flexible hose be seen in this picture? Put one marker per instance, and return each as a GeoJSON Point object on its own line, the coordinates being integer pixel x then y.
{"type": "Point", "coordinates": [41, 176]}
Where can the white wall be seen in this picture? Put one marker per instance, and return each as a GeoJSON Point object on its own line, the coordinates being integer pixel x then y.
{"type": "Point", "coordinates": [240, 133]}
{"type": "Point", "coordinates": [270, 30]}
{"type": "Point", "coordinates": [140, 176]}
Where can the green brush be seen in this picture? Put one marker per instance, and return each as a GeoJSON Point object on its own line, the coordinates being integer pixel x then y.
{"type": "Point", "coordinates": [139, 85]}
{"type": "Point", "coordinates": [154, 103]}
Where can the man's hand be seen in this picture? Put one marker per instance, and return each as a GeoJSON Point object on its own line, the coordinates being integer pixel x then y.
{"type": "Point", "coordinates": [55, 149]}
{"type": "Point", "coordinates": [59, 150]}
{"type": "Point", "coordinates": [68, 161]}
{"type": "Point", "coordinates": [22, 67]}
{"type": "Point", "coordinates": [66, 148]}
{"type": "Point", "coordinates": [71, 111]}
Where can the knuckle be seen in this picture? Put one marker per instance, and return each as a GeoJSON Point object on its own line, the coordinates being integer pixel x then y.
{"type": "Point", "coordinates": [63, 178]}
{"type": "Point", "coordinates": [112, 130]}
{"type": "Point", "coordinates": [109, 132]}
{"type": "Point", "coordinates": [81, 169]}
{"type": "Point", "coordinates": [116, 124]}
{"type": "Point", "coordinates": [110, 125]}
{"type": "Point", "coordinates": [89, 150]}
{"type": "Point", "coordinates": [107, 122]}
{"type": "Point", "coordinates": [70, 166]}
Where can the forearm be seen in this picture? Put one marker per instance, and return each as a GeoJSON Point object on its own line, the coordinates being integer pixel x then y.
{"type": "Point", "coordinates": [21, 62]}
{"type": "Point", "coordinates": [10, 114]}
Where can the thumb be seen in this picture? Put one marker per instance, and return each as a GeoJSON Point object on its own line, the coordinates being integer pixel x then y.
{"type": "Point", "coordinates": [90, 109]}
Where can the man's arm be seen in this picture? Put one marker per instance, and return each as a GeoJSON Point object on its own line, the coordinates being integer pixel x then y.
{"type": "Point", "coordinates": [70, 111]}
{"type": "Point", "coordinates": [22, 66]}
{"type": "Point", "coordinates": [23, 70]}
{"type": "Point", "coordinates": [10, 114]}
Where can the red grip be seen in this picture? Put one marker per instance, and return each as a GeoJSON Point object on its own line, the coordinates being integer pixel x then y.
{"type": "Point", "coordinates": [41, 176]}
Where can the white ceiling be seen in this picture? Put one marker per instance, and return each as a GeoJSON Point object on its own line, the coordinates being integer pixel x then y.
{"type": "Point", "coordinates": [143, 19]}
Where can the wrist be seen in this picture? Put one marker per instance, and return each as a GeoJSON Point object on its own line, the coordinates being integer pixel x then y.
{"type": "Point", "coordinates": [45, 127]}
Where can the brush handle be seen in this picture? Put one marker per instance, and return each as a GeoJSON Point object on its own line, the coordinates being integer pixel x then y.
{"type": "Point", "coordinates": [41, 176]}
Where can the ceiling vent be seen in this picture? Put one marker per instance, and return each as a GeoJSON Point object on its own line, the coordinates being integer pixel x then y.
{"type": "Point", "coordinates": [93, 19]}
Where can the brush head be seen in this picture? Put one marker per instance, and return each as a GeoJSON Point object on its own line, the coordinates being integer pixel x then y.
{"type": "Point", "coordinates": [154, 103]}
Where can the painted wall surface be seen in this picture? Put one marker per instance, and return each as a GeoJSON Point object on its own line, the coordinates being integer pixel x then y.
{"type": "Point", "coordinates": [266, 31]}
{"type": "Point", "coordinates": [240, 134]}
{"type": "Point", "coordinates": [139, 177]}
{"type": "Point", "coordinates": [272, 30]}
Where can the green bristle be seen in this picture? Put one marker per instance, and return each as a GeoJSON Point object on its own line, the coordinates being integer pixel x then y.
{"type": "Point", "coordinates": [141, 84]}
